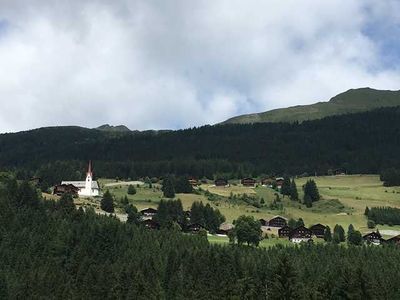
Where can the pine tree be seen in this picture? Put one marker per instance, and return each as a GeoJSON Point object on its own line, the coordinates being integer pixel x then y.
{"type": "Point", "coordinates": [366, 212]}
{"type": "Point", "coordinates": [338, 234]}
{"type": "Point", "coordinates": [285, 189]}
{"type": "Point", "coordinates": [133, 215]}
{"type": "Point", "coordinates": [107, 203]}
{"type": "Point", "coordinates": [299, 222]}
{"type": "Point", "coordinates": [168, 187]}
{"type": "Point", "coordinates": [311, 190]}
{"type": "Point", "coordinates": [307, 201]}
{"type": "Point", "coordinates": [284, 284]}
{"type": "Point", "coordinates": [327, 234]}
{"type": "Point", "coordinates": [294, 195]}
{"type": "Point", "coordinates": [66, 203]}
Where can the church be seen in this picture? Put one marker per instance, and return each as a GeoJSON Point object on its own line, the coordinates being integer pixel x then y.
{"type": "Point", "coordinates": [88, 188]}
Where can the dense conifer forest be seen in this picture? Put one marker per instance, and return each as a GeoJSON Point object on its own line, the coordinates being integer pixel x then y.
{"type": "Point", "coordinates": [355, 143]}
{"type": "Point", "coordinates": [49, 250]}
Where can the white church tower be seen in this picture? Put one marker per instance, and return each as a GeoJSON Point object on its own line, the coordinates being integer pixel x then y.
{"type": "Point", "coordinates": [89, 181]}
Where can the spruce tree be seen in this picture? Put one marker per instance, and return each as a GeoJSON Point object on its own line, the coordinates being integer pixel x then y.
{"type": "Point", "coordinates": [168, 187]}
{"type": "Point", "coordinates": [66, 203]}
{"type": "Point", "coordinates": [107, 203]}
{"type": "Point", "coordinates": [294, 195]}
{"type": "Point", "coordinates": [338, 234]}
{"type": "Point", "coordinates": [133, 215]}
{"type": "Point", "coordinates": [131, 189]}
{"type": "Point", "coordinates": [311, 191]}
{"type": "Point", "coordinates": [285, 189]}
{"type": "Point", "coordinates": [366, 212]}
{"type": "Point", "coordinates": [327, 234]}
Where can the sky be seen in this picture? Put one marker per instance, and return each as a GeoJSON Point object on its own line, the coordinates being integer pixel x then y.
{"type": "Point", "coordinates": [157, 64]}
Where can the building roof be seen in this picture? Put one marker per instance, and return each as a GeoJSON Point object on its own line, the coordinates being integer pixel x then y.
{"type": "Point", "coordinates": [82, 184]}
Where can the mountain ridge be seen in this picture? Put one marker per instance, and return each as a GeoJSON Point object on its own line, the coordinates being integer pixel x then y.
{"type": "Point", "coordinates": [350, 101]}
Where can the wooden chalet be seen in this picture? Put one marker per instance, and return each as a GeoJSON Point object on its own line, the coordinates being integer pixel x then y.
{"type": "Point", "coordinates": [277, 221]}
{"type": "Point", "coordinates": [318, 230]}
{"type": "Point", "coordinates": [248, 182]}
{"type": "Point", "coordinates": [221, 182]}
{"type": "Point", "coordinates": [61, 189]}
{"type": "Point", "coordinates": [284, 231]}
{"type": "Point", "coordinates": [373, 238]}
{"type": "Point", "coordinates": [279, 181]}
{"type": "Point", "coordinates": [194, 182]}
{"type": "Point", "coordinates": [194, 228]}
{"type": "Point", "coordinates": [267, 181]}
{"type": "Point", "coordinates": [148, 212]}
{"type": "Point", "coordinates": [300, 234]}
{"type": "Point", "coordinates": [150, 224]}
{"type": "Point", "coordinates": [394, 240]}
{"type": "Point", "coordinates": [263, 222]}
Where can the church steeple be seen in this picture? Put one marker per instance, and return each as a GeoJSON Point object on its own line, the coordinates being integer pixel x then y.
{"type": "Point", "coordinates": [89, 180]}
{"type": "Point", "coordinates": [89, 172]}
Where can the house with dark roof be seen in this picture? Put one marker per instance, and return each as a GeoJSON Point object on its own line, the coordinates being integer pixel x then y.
{"type": "Point", "coordinates": [277, 221]}
{"type": "Point", "coordinates": [251, 182]}
{"type": "Point", "coordinates": [221, 182]}
{"type": "Point", "coordinates": [300, 234]}
{"type": "Point", "coordinates": [374, 238]}
{"type": "Point", "coordinates": [318, 230]}
{"type": "Point", "coordinates": [284, 231]}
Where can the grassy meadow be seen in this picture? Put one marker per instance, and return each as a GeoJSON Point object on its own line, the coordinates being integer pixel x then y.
{"type": "Point", "coordinates": [343, 202]}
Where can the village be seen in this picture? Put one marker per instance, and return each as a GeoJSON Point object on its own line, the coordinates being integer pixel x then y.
{"type": "Point", "coordinates": [276, 226]}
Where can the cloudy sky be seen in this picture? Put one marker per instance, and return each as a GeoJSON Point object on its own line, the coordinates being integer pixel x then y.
{"type": "Point", "coordinates": [175, 64]}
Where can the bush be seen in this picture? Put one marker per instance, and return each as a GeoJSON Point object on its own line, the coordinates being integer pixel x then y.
{"type": "Point", "coordinates": [371, 224]}
{"type": "Point", "coordinates": [131, 190]}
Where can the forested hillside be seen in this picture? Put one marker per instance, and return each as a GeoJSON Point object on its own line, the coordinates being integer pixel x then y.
{"type": "Point", "coordinates": [357, 143]}
{"type": "Point", "coordinates": [352, 101]}
{"type": "Point", "coordinates": [50, 250]}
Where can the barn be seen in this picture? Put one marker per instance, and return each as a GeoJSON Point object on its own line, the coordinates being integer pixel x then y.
{"type": "Point", "coordinates": [318, 230]}
{"type": "Point", "coordinates": [221, 182]}
{"type": "Point", "coordinates": [284, 231]}
{"type": "Point", "coordinates": [300, 234]}
{"type": "Point", "coordinates": [61, 189]}
{"type": "Point", "coordinates": [148, 213]}
{"type": "Point", "coordinates": [277, 221]}
{"type": "Point", "coordinates": [251, 182]}
{"type": "Point", "coordinates": [374, 238]}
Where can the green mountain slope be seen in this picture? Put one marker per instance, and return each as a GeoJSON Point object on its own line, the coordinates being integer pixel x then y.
{"type": "Point", "coordinates": [352, 101]}
{"type": "Point", "coordinates": [109, 128]}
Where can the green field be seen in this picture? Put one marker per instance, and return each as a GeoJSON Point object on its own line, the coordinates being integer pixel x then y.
{"type": "Point", "coordinates": [343, 202]}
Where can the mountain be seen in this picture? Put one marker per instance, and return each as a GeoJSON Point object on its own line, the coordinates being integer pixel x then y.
{"type": "Point", "coordinates": [367, 142]}
{"type": "Point", "coordinates": [351, 101]}
{"type": "Point", "coordinates": [109, 128]}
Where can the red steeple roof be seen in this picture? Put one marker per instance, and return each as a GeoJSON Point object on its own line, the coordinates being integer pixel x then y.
{"type": "Point", "coordinates": [89, 172]}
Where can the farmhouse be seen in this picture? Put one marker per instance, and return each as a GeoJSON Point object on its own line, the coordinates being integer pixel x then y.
{"type": "Point", "coordinates": [279, 182]}
{"type": "Point", "coordinates": [148, 213]}
{"type": "Point", "coordinates": [248, 182]}
{"type": "Point", "coordinates": [194, 182]}
{"type": "Point", "coordinates": [284, 231]}
{"type": "Point", "coordinates": [150, 224]}
{"type": "Point", "coordinates": [394, 240]}
{"type": "Point", "coordinates": [194, 228]}
{"type": "Point", "coordinates": [374, 238]}
{"type": "Point", "coordinates": [61, 189]}
{"type": "Point", "coordinates": [88, 188]}
{"type": "Point", "coordinates": [277, 221]}
{"type": "Point", "coordinates": [267, 182]}
{"type": "Point", "coordinates": [221, 182]}
{"type": "Point", "coordinates": [318, 230]}
{"type": "Point", "coordinates": [300, 234]}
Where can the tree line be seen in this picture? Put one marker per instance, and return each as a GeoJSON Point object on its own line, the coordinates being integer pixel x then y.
{"type": "Point", "coordinates": [237, 151]}
{"type": "Point", "coordinates": [383, 215]}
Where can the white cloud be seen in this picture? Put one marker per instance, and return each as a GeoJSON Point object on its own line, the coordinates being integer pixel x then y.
{"type": "Point", "coordinates": [157, 64]}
